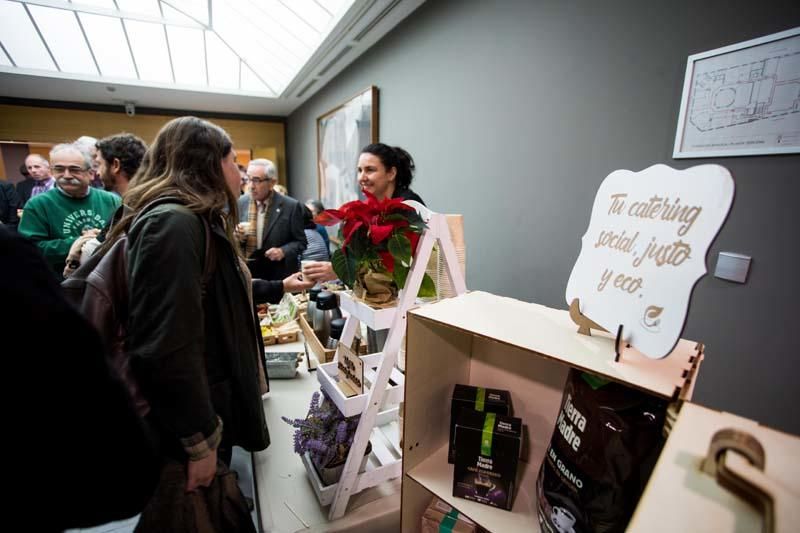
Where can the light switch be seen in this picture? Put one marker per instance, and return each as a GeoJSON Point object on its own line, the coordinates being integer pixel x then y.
{"type": "Point", "coordinates": [732, 267]}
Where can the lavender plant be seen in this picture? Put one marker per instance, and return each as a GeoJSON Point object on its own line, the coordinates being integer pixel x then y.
{"type": "Point", "coordinates": [324, 433]}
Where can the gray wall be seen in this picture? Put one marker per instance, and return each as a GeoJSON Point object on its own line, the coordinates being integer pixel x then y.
{"type": "Point", "coordinates": [515, 112]}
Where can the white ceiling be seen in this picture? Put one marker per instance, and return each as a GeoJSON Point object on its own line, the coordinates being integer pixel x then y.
{"type": "Point", "coordinates": [206, 66]}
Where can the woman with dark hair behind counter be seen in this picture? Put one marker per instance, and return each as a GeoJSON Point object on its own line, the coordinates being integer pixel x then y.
{"type": "Point", "coordinates": [383, 171]}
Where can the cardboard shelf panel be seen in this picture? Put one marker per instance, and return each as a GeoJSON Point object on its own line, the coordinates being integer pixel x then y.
{"type": "Point", "coordinates": [696, 501]}
{"type": "Point", "coordinates": [382, 465]}
{"type": "Point", "coordinates": [436, 476]}
{"type": "Point", "coordinates": [327, 376]}
{"type": "Point", "coordinates": [376, 319]}
{"type": "Point", "coordinates": [550, 333]}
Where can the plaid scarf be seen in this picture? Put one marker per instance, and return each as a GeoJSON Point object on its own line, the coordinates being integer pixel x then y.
{"type": "Point", "coordinates": [252, 244]}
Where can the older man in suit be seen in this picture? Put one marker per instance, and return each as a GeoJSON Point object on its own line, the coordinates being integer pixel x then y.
{"type": "Point", "coordinates": [271, 228]}
{"type": "Point", "coordinates": [39, 181]}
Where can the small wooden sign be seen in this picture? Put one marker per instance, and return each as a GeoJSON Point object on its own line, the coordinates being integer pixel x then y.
{"type": "Point", "coordinates": [645, 249]}
{"type": "Point", "coordinates": [351, 371]}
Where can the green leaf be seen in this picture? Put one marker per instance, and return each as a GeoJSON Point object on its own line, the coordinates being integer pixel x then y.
{"type": "Point", "coordinates": [400, 274]}
{"type": "Point", "coordinates": [427, 289]}
{"type": "Point", "coordinates": [345, 267]}
{"type": "Point", "coordinates": [415, 220]}
{"type": "Point", "coordinates": [400, 247]}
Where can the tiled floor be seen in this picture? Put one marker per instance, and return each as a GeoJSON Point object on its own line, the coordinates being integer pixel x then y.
{"type": "Point", "coordinates": [240, 462]}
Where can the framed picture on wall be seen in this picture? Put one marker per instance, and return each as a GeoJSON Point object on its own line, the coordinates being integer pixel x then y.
{"type": "Point", "coordinates": [742, 99]}
{"type": "Point", "coordinates": [341, 133]}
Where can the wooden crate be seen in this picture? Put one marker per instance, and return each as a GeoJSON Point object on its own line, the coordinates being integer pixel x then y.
{"type": "Point", "coordinates": [697, 502]}
{"type": "Point", "coordinates": [322, 354]}
{"type": "Point", "coordinates": [529, 353]}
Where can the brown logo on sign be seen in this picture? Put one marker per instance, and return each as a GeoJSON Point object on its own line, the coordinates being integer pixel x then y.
{"type": "Point", "coordinates": [650, 320]}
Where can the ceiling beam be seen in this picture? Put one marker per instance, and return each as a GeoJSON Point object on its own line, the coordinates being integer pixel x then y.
{"type": "Point", "coordinates": [169, 54]}
{"type": "Point", "coordinates": [130, 49]}
{"type": "Point", "coordinates": [39, 32]}
{"type": "Point", "coordinates": [244, 62]}
{"type": "Point", "coordinates": [200, 24]}
{"type": "Point", "coordinates": [95, 10]}
{"type": "Point", "coordinates": [88, 44]}
{"type": "Point", "coordinates": [13, 63]}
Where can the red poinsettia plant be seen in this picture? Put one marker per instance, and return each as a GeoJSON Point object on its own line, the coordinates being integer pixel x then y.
{"type": "Point", "coordinates": [379, 238]}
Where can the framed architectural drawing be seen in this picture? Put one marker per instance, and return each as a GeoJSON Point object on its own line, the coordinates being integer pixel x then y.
{"type": "Point", "coordinates": [742, 99]}
{"type": "Point", "coordinates": [341, 133]}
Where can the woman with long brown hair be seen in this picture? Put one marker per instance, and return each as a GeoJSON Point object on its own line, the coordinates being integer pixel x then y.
{"type": "Point", "coordinates": [192, 337]}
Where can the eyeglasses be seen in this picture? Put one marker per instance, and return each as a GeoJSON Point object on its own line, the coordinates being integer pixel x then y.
{"type": "Point", "coordinates": [59, 170]}
{"type": "Point", "coordinates": [260, 180]}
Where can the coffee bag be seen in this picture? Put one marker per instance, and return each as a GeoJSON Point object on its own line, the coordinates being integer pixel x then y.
{"type": "Point", "coordinates": [605, 444]}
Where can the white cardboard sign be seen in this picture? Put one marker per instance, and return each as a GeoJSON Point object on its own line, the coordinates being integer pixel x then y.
{"type": "Point", "coordinates": [646, 248]}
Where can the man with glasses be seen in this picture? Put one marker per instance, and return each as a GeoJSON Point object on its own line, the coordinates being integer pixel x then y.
{"type": "Point", "coordinates": [54, 219]}
{"type": "Point", "coordinates": [271, 228]}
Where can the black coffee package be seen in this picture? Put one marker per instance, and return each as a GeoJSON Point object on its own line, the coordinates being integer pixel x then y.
{"type": "Point", "coordinates": [605, 444]}
{"type": "Point", "coordinates": [477, 399]}
{"type": "Point", "coordinates": [487, 447]}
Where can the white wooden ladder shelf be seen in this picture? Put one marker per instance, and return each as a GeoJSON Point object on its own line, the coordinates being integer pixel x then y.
{"type": "Point", "coordinates": [378, 406]}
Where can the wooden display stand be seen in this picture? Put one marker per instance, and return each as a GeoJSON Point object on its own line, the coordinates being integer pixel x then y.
{"type": "Point", "coordinates": [688, 470]}
{"type": "Point", "coordinates": [495, 342]}
{"type": "Point", "coordinates": [378, 405]}
{"type": "Point", "coordinates": [316, 352]}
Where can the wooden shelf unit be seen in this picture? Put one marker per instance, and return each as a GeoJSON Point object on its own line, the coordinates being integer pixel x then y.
{"type": "Point", "coordinates": [327, 374]}
{"type": "Point", "coordinates": [495, 342]}
{"type": "Point", "coordinates": [383, 462]}
{"type": "Point", "coordinates": [386, 382]}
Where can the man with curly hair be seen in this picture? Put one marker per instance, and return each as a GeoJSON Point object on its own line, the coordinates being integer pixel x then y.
{"type": "Point", "coordinates": [118, 157]}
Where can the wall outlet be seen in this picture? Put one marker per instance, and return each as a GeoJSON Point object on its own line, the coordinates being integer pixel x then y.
{"type": "Point", "coordinates": [732, 267]}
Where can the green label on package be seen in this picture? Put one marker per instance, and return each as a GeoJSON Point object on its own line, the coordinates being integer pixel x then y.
{"type": "Point", "coordinates": [486, 437]}
{"type": "Point", "coordinates": [595, 382]}
{"type": "Point", "coordinates": [480, 397]}
{"type": "Point", "coordinates": [448, 522]}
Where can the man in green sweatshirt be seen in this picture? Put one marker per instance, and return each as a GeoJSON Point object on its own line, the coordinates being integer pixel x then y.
{"type": "Point", "coordinates": [53, 220]}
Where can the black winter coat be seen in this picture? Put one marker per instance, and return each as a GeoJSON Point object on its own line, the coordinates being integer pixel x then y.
{"type": "Point", "coordinates": [195, 357]}
{"type": "Point", "coordinates": [9, 203]}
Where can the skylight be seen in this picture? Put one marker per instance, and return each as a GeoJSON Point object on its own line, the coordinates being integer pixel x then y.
{"type": "Point", "coordinates": [253, 47]}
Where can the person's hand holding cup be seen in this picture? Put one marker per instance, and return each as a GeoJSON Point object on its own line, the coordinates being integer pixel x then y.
{"type": "Point", "coordinates": [317, 270]}
{"type": "Point", "coordinates": [296, 283]}
{"type": "Point", "coordinates": [241, 230]}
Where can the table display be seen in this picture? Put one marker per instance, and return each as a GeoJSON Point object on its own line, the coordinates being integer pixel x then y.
{"type": "Point", "coordinates": [591, 407]}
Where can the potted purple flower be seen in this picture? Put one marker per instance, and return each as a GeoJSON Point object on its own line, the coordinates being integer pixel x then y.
{"type": "Point", "coordinates": [326, 436]}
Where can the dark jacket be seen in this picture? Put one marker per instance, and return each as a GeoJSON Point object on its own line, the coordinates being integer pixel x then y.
{"type": "Point", "coordinates": [24, 190]}
{"type": "Point", "coordinates": [9, 203]}
{"type": "Point", "coordinates": [195, 357]}
{"type": "Point", "coordinates": [267, 291]}
{"type": "Point", "coordinates": [284, 230]}
{"type": "Point", "coordinates": [69, 413]}
{"type": "Point", "coordinates": [407, 194]}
